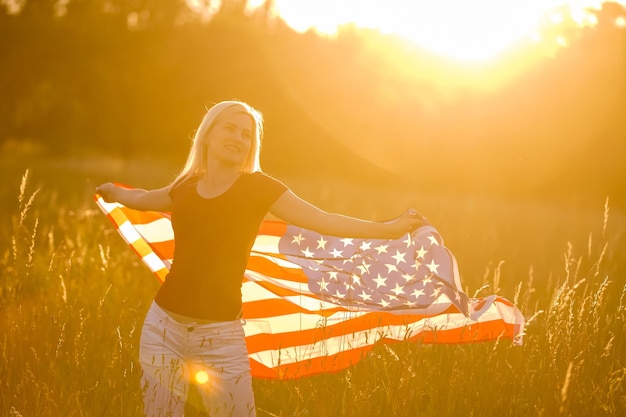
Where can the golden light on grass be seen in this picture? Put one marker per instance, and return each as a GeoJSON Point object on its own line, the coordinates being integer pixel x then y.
{"type": "Point", "coordinates": [573, 346]}
{"type": "Point", "coordinates": [201, 377]}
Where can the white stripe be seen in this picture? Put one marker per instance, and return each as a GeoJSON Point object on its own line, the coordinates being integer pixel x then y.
{"type": "Point", "coordinates": [276, 259]}
{"type": "Point", "coordinates": [128, 232]}
{"type": "Point", "coordinates": [153, 262]}
{"type": "Point", "coordinates": [251, 291]}
{"type": "Point", "coordinates": [266, 243]}
{"type": "Point", "coordinates": [282, 324]}
{"type": "Point", "coordinates": [301, 321]}
{"type": "Point", "coordinates": [334, 345]}
{"type": "Point", "coordinates": [107, 207]}
{"type": "Point", "coordinates": [283, 283]}
{"type": "Point", "coordinates": [297, 322]}
{"type": "Point", "coordinates": [353, 340]}
{"type": "Point", "coordinates": [156, 231]}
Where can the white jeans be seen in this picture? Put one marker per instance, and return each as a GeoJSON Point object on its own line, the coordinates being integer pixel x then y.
{"type": "Point", "coordinates": [212, 356]}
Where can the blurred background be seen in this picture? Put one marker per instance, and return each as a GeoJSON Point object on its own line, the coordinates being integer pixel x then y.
{"type": "Point", "coordinates": [497, 98]}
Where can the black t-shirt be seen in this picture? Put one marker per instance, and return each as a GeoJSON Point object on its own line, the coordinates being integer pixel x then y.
{"type": "Point", "coordinates": [213, 239]}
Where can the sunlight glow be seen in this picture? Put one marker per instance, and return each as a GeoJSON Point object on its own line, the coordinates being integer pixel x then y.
{"type": "Point", "coordinates": [202, 377]}
{"type": "Point", "coordinates": [464, 30]}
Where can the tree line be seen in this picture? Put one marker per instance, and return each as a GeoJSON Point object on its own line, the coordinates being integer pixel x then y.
{"type": "Point", "coordinates": [134, 77]}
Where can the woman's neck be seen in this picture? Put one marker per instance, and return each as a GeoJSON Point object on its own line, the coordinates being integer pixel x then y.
{"type": "Point", "coordinates": [221, 175]}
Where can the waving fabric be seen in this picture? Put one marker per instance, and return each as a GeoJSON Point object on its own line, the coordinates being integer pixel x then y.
{"type": "Point", "coordinates": [315, 303]}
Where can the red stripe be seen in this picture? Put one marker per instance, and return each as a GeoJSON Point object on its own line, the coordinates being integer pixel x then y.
{"type": "Point", "coordinates": [164, 250]}
{"type": "Point", "coordinates": [273, 228]}
{"type": "Point", "coordinates": [260, 342]}
{"type": "Point", "coordinates": [143, 217]}
{"type": "Point", "coordinates": [261, 309]}
{"type": "Point", "coordinates": [479, 332]}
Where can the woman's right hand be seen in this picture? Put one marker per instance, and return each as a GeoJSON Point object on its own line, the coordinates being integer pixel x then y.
{"type": "Point", "coordinates": [108, 192]}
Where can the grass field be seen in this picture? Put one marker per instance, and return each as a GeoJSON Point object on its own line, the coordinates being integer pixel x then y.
{"type": "Point", "coordinates": [73, 298]}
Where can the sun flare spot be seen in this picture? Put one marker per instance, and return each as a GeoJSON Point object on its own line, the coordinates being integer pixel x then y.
{"type": "Point", "coordinates": [202, 377]}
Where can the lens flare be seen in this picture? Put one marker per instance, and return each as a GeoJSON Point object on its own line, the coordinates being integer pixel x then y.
{"type": "Point", "coordinates": [202, 377]}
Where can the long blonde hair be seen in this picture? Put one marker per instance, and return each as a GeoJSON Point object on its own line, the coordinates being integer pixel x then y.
{"type": "Point", "coordinates": [196, 164]}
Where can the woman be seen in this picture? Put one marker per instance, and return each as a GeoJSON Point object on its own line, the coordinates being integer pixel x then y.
{"type": "Point", "coordinates": [218, 202]}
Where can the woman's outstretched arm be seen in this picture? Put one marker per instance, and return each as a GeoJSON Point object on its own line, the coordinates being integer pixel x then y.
{"type": "Point", "coordinates": [138, 199]}
{"type": "Point", "coordinates": [298, 212]}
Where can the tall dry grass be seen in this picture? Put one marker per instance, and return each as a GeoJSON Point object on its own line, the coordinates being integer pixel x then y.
{"type": "Point", "coordinates": [73, 297]}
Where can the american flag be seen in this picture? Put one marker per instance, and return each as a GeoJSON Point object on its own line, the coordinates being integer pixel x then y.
{"type": "Point", "coordinates": [314, 303]}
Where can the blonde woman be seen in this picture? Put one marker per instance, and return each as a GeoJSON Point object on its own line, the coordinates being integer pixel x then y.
{"type": "Point", "coordinates": [217, 204]}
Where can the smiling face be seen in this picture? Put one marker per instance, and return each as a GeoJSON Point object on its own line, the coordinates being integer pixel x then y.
{"type": "Point", "coordinates": [229, 141]}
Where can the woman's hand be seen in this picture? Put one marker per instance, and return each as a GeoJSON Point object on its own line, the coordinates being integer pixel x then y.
{"type": "Point", "coordinates": [108, 191]}
{"type": "Point", "coordinates": [409, 221]}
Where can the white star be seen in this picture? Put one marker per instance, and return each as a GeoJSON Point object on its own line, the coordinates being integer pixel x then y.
{"type": "Point", "coordinates": [399, 257]}
{"type": "Point", "coordinates": [356, 279]}
{"type": "Point", "coordinates": [408, 277]}
{"type": "Point", "coordinates": [338, 294]}
{"type": "Point", "coordinates": [365, 245]}
{"type": "Point", "coordinates": [364, 268]}
{"type": "Point", "coordinates": [307, 253]}
{"type": "Point", "coordinates": [380, 281]}
{"type": "Point", "coordinates": [427, 279]}
{"type": "Point", "coordinates": [364, 296]}
{"type": "Point", "coordinates": [392, 297]}
{"type": "Point", "coordinates": [391, 267]}
{"type": "Point", "coordinates": [433, 266]}
{"type": "Point", "coordinates": [417, 293]}
{"type": "Point", "coordinates": [321, 243]}
{"type": "Point", "coordinates": [410, 303]}
{"type": "Point", "coordinates": [298, 239]}
{"type": "Point", "coordinates": [347, 242]}
{"type": "Point", "coordinates": [332, 275]}
{"type": "Point", "coordinates": [436, 292]}
{"type": "Point", "coordinates": [398, 290]}
{"type": "Point", "coordinates": [421, 252]}
{"type": "Point", "coordinates": [336, 253]}
{"type": "Point", "coordinates": [323, 285]}
{"type": "Point", "coordinates": [384, 302]}
{"type": "Point", "coordinates": [381, 249]}
{"type": "Point", "coordinates": [408, 240]}
{"type": "Point", "coordinates": [433, 240]}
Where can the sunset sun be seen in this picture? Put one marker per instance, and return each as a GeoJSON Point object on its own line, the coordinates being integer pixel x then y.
{"type": "Point", "coordinates": [465, 31]}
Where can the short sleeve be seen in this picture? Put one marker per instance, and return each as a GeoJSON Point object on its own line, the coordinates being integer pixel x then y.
{"type": "Point", "coordinates": [270, 188]}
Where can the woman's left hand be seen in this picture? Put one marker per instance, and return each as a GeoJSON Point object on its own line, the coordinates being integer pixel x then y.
{"type": "Point", "coordinates": [409, 221]}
